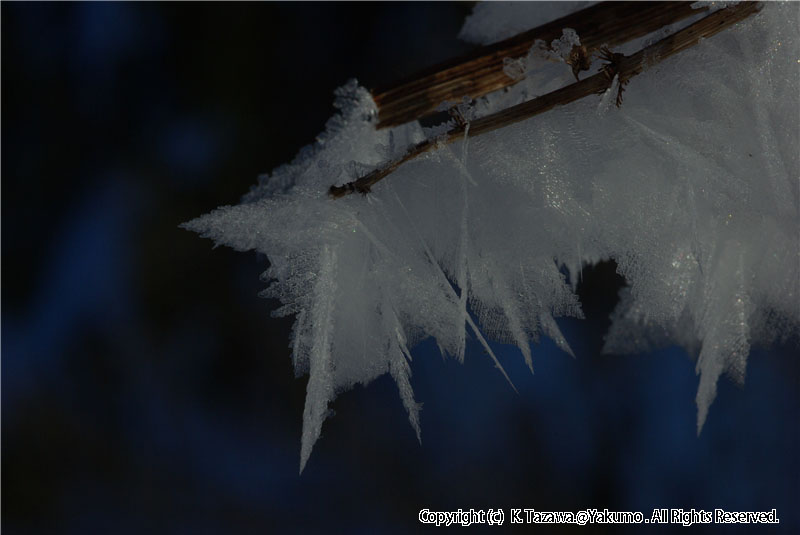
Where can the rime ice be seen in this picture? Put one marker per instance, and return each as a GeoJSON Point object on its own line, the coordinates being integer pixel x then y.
{"type": "Point", "coordinates": [691, 187]}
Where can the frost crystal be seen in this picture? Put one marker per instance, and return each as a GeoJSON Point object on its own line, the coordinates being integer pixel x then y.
{"type": "Point", "coordinates": [563, 45]}
{"type": "Point", "coordinates": [491, 22]}
{"type": "Point", "coordinates": [713, 6]}
{"type": "Point", "coordinates": [691, 187]}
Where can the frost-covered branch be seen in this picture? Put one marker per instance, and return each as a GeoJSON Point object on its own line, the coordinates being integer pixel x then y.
{"type": "Point", "coordinates": [624, 67]}
{"type": "Point", "coordinates": [691, 188]}
{"type": "Point", "coordinates": [482, 70]}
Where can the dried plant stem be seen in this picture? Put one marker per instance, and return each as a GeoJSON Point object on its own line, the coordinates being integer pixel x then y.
{"type": "Point", "coordinates": [481, 71]}
{"type": "Point", "coordinates": [625, 67]}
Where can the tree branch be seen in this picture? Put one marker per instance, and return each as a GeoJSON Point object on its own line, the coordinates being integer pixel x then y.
{"type": "Point", "coordinates": [626, 67]}
{"type": "Point", "coordinates": [481, 71]}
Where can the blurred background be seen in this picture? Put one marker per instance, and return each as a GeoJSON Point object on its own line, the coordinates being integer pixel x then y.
{"type": "Point", "coordinates": [145, 387]}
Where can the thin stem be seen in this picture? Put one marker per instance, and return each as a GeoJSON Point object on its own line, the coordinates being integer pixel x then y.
{"type": "Point", "coordinates": [626, 67]}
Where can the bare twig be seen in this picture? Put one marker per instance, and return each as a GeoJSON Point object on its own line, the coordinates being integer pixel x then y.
{"type": "Point", "coordinates": [481, 71]}
{"type": "Point", "coordinates": [626, 67]}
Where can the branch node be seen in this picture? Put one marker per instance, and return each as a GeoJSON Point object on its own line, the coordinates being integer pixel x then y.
{"type": "Point", "coordinates": [612, 68]}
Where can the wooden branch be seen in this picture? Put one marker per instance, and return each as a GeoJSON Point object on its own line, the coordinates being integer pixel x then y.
{"type": "Point", "coordinates": [481, 71]}
{"type": "Point", "coordinates": [625, 67]}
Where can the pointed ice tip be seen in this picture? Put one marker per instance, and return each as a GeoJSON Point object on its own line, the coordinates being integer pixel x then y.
{"type": "Point", "coordinates": [416, 428]}
{"type": "Point", "coordinates": [530, 366]}
{"type": "Point", "coordinates": [305, 453]}
{"type": "Point", "coordinates": [701, 419]}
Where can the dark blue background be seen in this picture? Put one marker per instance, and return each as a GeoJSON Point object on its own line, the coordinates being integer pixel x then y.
{"type": "Point", "coordinates": [145, 387]}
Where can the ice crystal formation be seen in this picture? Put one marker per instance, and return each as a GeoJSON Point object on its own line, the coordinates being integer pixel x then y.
{"type": "Point", "coordinates": [691, 187]}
